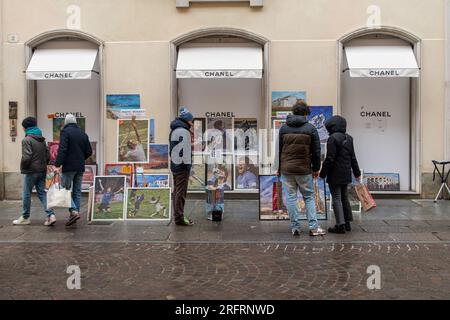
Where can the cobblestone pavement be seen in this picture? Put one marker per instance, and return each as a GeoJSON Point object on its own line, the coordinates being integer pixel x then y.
{"type": "Point", "coordinates": [225, 271]}
{"type": "Point", "coordinates": [240, 258]}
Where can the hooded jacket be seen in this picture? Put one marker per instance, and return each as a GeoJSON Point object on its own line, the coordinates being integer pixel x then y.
{"type": "Point", "coordinates": [298, 147]}
{"type": "Point", "coordinates": [74, 149]}
{"type": "Point", "coordinates": [341, 158]}
{"type": "Point", "coordinates": [35, 153]}
{"type": "Point", "coordinates": [181, 129]}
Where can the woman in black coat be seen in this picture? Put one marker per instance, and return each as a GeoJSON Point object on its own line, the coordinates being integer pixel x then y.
{"type": "Point", "coordinates": [337, 169]}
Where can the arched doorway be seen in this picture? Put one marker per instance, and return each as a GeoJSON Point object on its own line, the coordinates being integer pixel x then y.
{"type": "Point", "coordinates": [243, 98]}
{"type": "Point", "coordinates": [53, 92]}
{"type": "Point", "coordinates": [383, 106]}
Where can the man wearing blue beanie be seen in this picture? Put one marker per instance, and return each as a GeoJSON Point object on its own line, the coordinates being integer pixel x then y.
{"type": "Point", "coordinates": [180, 141]}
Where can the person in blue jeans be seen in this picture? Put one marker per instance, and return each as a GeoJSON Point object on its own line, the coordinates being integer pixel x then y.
{"type": "Point", "coordinates": [297, 161]}
{"type": "Point", "coordinates": [33, 165]}
{"type": "Point", "coordinates": [74, 150]}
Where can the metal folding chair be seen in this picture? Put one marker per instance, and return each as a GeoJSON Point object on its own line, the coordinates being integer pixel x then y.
{"type": "Point", "coordinates": [443, 176]}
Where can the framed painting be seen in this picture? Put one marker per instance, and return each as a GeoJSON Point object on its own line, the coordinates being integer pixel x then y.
{"type": "Point", "coordinates": [273, 200]}
{"type": "Point", "coordinates": [120, 169]}
{"type": "Point", "coordinates": [149, 204]}
{"type": "Point", "coordinates": [382, 181]}
{"type": "Point", "coordinates": [246, 136]}
{"type": "Point", "coordinates": [143, 180]}
{"type": "Point", "coordinates": [109, 198]}
{"type": "Point", "coordinates": [132, 141]}
{"type": "Point", "coordinates": [246, 172]}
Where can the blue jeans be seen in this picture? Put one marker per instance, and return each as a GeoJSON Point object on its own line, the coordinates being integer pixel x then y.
{"type": "Point", "coordinates": [29, 181]}
{"type": "Point", "coordinates": [73, 180]}
{"type": "Point", "coordinates": [291, 185]}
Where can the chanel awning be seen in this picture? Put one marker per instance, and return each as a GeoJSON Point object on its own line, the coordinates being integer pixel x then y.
{"type": "Point", "coordinates": [62, 64]}
{"type": "Point", "coordinates": [225, 61]}
{"type": "Point", "coordinates": [381, 61]}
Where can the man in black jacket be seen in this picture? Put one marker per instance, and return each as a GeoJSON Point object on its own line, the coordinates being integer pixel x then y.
{"type": "Point", "coordinates": [297, 160]}
{"type": "Point", "coordinates": [180, 140]}
{"type": "Point", "coordinates": [35, 157]}
{"type": "Point", "coordinates": [74, 150]}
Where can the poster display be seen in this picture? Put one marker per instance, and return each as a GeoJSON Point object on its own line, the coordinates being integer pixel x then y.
{"type": "Point", "coordinates": [219, 135]}
{"type": "Point", "coordinates": [273, 200]}
{"type": "Point", "coordinates": [246, 172]}
{"type": "Point", "coordinates": [109, 198]}
{"type": "Point", "coordinates": [50, 177]}
{"type": "Point", "coordinates": [158, 157]}
{"type": "Point", "coordinates": [133, 141]}
{"type": "Point", "coordinates": [88, 177]}
{"type": "Point", "coordinates": [120, 169]}
{"type": "Point", "coordinates": [382, 181]}
{"type": "Point", "coordinates": [198, 175]}
{"type": "Point", "coordinates": [58, 125]}
{"type": "Point", "coordinates": [53, 148]}
{"type": "Point", "coordinates": [199, 135]}
{"type": "Point", "coordinates": [283, 101]}
{"type": "Point", "coordinates": [151, 180]}
{"type": "Point", "coordinates": [219, 172]}
{"type": "Point", "coordinates": [151, 138]}
{"type": "Point", "coordinates": [148, 204]}
{"type": "Point", "coordinates": [246, 136]}
{"type": "Point", "coordinates": [319, 115]}
{"type": "Point", "coordinates": [276, 126]}
{"type": "Point", "coordinates": [93, 158]}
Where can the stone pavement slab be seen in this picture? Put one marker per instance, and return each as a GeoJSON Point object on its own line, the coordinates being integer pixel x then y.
{"type": "Point", "coordinates": [392, 221]}
{"type": "Point", "coordinates": [225, 271]}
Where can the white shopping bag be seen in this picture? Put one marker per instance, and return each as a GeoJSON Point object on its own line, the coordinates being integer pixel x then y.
{"type": "Point", "coordinates": [58, 197]}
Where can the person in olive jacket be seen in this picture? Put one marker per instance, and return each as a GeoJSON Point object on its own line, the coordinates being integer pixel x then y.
{"type": "Point", "coordinates": [74, 150]}
{"type": "Point", "coordinates": [337, 169]}
{"type": "Point", "coordinates": [33, 165]}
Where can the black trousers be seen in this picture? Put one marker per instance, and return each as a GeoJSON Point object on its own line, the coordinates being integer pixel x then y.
{"type": "Point", "coordinates": [181, 183]}
{"type": "Point", "coordinates": [341, 204]}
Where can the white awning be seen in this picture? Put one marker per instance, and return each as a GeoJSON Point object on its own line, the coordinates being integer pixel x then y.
{"type": "Point", "coordinates": [382, 61]}
{"type": "Point", "coordinates": [220, 61]}
{"type": "Point", "coordinates": [62, 64]}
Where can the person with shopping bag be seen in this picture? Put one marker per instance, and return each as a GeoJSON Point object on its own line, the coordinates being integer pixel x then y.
{"type": "Point", "coordinates": [33, 166]}
{"type": "Point", "coordinates": [337, 168]}
{"type": "Point", "coordinates": [74, 149]}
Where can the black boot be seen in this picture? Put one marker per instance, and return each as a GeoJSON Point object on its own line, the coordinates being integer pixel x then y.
{"type": "Point", "coordinates": [337, 229]}
{"type": "Point", "coordinates": [348, 226]}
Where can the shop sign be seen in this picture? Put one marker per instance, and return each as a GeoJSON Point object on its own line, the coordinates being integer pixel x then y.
{"type": "Point", "coordinates": [64, 114]}
{"type": "Point", "coordinates": [384, 73]}
{"type": "Point", "coordinates": [187, 3]}
{"type": "Point", "coordinates": [59, 75]}
{"type": "Point", "coordinates": [220, 74]}
{"type": "Point", "coordinates": [220, 115]}
{"type": "Point", "coordinates": [376, 114]}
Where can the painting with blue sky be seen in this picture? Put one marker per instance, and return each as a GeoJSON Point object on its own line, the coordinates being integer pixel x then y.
{"type": "Point", "coordinates": [123, 101]}
{"type": "Point", "coordinates": [271, 208]}
{"type": "Point", "coordinates": [283, 101]}
{"type": "Point", "coordinates": [151, 180]}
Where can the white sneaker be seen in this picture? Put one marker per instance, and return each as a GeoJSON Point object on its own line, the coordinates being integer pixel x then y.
{"type": "Point", "coordinates": [50, 222]}
{"type": "Point", "coordinates": [317, 232]}
{"type": "Point", "coordinates": [21, 222]}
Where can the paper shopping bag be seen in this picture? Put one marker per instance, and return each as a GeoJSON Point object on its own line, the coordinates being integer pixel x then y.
{"type": "Point", "coordinates": [58, 197]}
{"type": "Point", "coordinates": [367, 201]}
